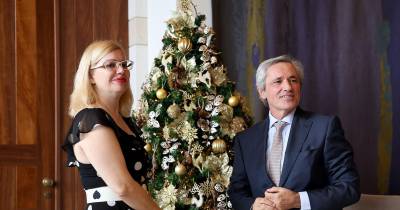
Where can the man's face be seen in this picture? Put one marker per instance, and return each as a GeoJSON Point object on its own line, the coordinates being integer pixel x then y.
{"type": "Point", "coordinates": [282, 89]}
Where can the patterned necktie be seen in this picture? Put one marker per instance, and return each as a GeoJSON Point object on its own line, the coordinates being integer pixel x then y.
{"type": "Point", "coordinates": [275, 154]}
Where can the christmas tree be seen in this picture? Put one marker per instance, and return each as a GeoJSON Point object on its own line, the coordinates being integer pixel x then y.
{"type": "Point", "coordinates": [189, 114]}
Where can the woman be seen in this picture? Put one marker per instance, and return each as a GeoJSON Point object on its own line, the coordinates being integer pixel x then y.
{"type": "Point", "coordinates": [103, 142]}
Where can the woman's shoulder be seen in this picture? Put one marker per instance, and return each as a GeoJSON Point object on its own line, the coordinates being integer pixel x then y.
{"type": "Point", "coordinates": [87, 118]}
{"type": "Point", "coordinates": [90, 111]}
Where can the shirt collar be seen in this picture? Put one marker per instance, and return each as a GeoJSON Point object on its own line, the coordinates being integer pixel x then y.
{"type": "Point", "coordinates": [288, 118]}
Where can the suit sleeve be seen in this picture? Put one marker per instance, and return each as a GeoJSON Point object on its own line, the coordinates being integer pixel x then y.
{"type": "Point", "coordinates": [344, 184]}
{"type": "Point", "coordinates": [239, 190]}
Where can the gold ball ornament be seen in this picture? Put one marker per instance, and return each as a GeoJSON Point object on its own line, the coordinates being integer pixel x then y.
{"type": "Point", "coordinates": [173, 111]}
{"type": "Point", "coordinates": [148, 147]}
{"type": "Point", "coordinates": [218, 146]}
{"type": "Point", "coordinates": [161, 93]}
{"type": "Point", "coordinates": [180, 169]}
{"type": "Point", "coordinates": [184, 45]}
{"type": "Point", "coordinates": [233, 101]}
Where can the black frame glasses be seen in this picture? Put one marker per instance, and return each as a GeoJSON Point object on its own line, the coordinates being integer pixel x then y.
{"type": "Point", "coordinates": [113, 65]}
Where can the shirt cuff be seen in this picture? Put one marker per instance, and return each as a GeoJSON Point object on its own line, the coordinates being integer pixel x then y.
{"type": "Point", "coordinates": [304, 201]}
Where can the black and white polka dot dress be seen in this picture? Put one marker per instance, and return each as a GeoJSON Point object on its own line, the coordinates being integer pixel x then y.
{"type": "Point", "coordinates": [99, 196]}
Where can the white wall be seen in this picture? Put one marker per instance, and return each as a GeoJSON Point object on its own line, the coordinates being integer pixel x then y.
{"type": "Point", "coordinates": [146, 27]}
{"type": "Point", "coordinates": [159, 11]}
{"type": "Point", "coordinates": [138, 44]}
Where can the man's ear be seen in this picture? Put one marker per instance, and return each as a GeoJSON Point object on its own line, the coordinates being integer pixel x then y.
{"type": "Point", "coordinates": [261, 93]}
{"type": "Point", "coordinates": [261, 97]}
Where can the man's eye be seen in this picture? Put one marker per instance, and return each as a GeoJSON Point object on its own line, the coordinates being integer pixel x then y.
{"type": "Point", "coordinates": [277, 81]}
{"type": "Point", "coordinates": [293, 80]}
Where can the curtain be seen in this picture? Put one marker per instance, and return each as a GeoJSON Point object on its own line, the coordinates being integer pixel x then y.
{"type": "Point", "coordinates": [351, 54]}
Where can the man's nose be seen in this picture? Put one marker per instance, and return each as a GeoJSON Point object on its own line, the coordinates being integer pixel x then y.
{"type": "Point", "coordinates": [287, 85]}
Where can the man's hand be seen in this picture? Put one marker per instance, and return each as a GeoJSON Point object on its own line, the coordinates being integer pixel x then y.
{"type": "Point", "coordinates": [263, 204]}
{"type": "Point", "coordinates": [283, 198]}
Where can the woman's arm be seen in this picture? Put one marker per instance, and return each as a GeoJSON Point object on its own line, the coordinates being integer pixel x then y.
{"type": "Point", "coordinates": [101, 148]}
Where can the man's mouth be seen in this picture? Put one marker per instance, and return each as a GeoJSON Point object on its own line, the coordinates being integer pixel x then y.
{"type": "Point", "coordinates": [286, 96]}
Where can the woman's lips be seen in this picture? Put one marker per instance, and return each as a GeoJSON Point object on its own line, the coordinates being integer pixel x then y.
{"type": "Point", "coordinates": [120, 80]}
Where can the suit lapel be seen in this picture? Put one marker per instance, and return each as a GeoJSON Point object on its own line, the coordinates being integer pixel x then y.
{"type": "Point", "coordinates": [297, 137]}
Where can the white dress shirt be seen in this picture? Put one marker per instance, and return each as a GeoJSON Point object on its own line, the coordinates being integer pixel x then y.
{"type": "Point", "coordinates": [304, 199]}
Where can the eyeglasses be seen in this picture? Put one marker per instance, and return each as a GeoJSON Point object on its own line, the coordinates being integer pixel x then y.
{"type": "Point", "coordinates": [112, 65]}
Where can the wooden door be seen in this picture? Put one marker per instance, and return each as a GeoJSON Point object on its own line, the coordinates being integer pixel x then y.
{"type": "Point", "coordinates": [41, 42]}
{"type": "Point", "coordinates": [27, 125]}
{"type": "Point", "coordinates": [80, 22]}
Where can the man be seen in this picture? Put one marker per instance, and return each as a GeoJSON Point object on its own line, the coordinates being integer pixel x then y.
{"type": "Point", "coordinates": [294, 158]}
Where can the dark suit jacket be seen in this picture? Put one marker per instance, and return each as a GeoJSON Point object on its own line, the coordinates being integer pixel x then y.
{"type": "Point", "coordinates": [318, 160]}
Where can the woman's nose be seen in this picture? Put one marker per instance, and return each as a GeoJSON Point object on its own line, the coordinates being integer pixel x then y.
{"type": "Point", "coordinates": [120, 69]}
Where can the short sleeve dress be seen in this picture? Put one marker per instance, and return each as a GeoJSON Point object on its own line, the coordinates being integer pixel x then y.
{"type": "Point", "coordinates": [98, 195]}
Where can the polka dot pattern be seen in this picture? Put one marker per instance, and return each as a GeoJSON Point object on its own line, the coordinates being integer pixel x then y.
{"type": "Point", "coordinates": [111, 203]}
{"type": "Point", "coordinates": [138, 166]}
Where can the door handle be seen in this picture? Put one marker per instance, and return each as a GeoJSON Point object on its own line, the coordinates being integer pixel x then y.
{"type": "Point", "coordinates": [47, 182]}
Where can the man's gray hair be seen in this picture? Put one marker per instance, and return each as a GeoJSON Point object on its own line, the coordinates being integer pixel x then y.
{"type": "Point", "coordinates": [263, 68]}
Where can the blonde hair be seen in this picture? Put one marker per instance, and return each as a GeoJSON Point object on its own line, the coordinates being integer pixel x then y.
{"type": "Point", "coordinates": [83, 94]}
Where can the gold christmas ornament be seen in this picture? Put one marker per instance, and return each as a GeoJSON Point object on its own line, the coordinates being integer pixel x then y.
{"type": "Point", "coordinates": [173, 111]}
{"type": "Point", "coordinates": [233, 101]}
{"type": "Point", "coordinates": [180, 169]}
{"type": "Point", "coordinates": [148, 147]}
{"type": "Point", "coordinates": [184, 45]}
{"type": "Point", "coordinates": [218, 146]}
{"type": "Point", "coordinates": [161, 93]}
